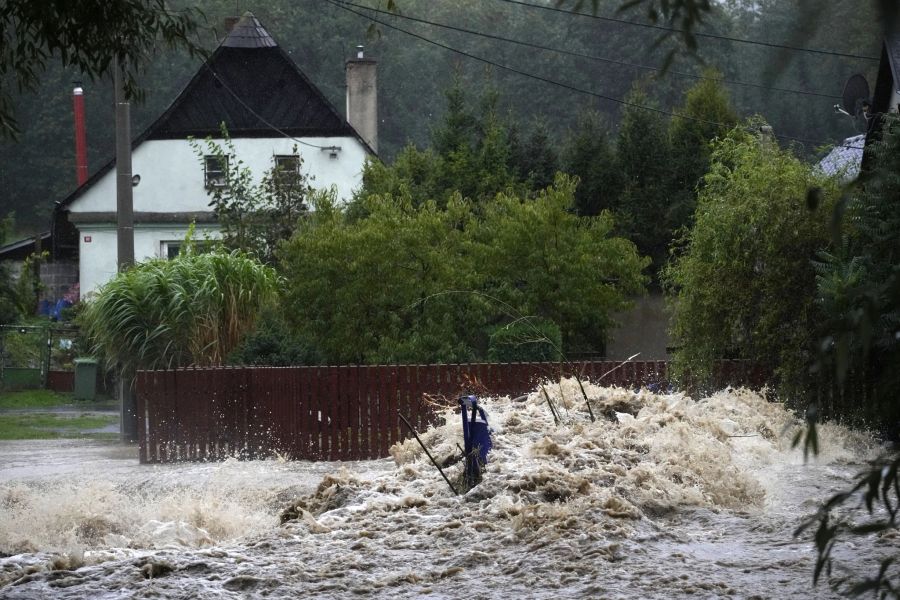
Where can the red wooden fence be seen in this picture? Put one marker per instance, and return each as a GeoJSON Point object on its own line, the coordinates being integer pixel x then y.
{"type": "Point", "coordinates": [61, 381]}
{"type": "Point", "coordinates": [336, 413]}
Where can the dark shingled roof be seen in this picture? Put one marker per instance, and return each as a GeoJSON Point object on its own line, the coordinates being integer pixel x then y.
{"type": "Point", "coordinates": [253, 86]}
{"type": "Point", "coordinates": [248, 33]}
{"type": "Point", "coordinates": [21, 249]}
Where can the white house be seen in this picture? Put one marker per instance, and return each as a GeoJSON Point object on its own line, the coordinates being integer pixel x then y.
{"type": "Point", "coordinates": [269, 108]}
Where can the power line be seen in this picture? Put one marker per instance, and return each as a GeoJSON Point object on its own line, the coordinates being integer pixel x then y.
{"type": "Point", "coordinates": [573, 88]}
{"type": "Point", "coordinates": [260, 117]}
{"type": "Point", "coordinates": [588, 56]}
{"type": "Point", "coordinates": [695, 33]}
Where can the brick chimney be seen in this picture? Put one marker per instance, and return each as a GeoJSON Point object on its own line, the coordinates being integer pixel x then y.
{"type": "Point", "coordinates": [362, 97]}
{"type": "Point", "coordinates": [81, 164]}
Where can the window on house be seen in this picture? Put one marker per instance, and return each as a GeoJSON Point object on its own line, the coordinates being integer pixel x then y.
{"type": "Point", "coordinates": [215, 168]}
{"type": "Point", "coordinates": [287, 169]}
{"type": "Point", "coordinates": [171, 249]}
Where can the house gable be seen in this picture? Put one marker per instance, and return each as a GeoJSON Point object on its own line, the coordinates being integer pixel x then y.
{"type": "Point", "coordinates": [253, 86]}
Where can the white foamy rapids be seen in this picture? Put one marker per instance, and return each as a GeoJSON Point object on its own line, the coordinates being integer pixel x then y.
{"type": "Point", "coordinates": [108, 504]}
{"type": "Point", "coordinates": [661, 496]}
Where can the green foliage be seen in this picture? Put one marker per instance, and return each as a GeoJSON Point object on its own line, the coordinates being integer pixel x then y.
{"type": "Point", "coordinates": [539, 257]}
{"type": "Point", "coordinates": [191, 310]}
{"type": "Point", "coordinates": [420, 283]}
{"type": "Point", "coordinates": [743, 284]}
{"type": "Point", "coordinates": [371, 290]}
{"type": "Point", "coordinates": [23, 347]}
{"type": "Point", "coordinates": [28, 286]}
{"type": "Point", "coordinates": [412, 76]}
{"type": "Point", "coordinates": [705, 115]}
{"type": "Point", "coordinates": [459, 128]}
{"type": "Point", "coordinates": [88, 36]}
{"type": "Point", "coordinates": [859, 279]}
{"type": "Point", "coordinates": [683, 16]}
{"type": "Point", "coordinates": [858, 283]}
{"type": "Point", "coordinates": [255, 216]}
{"type": "Point", "coordinates": [42, 426]}
{"type": "Point", "coordinates": [33, 399]}
{"type": "Point", "coordinates": [273, 344]}
{"type": "Point", "coordinates": [412, 175]}
{"type": "Point", "coordinates": [470, 155]}
{"type": "Point", "coordinates": [644, 159]}
{"type": "Point", "coordinates": [537, 161]}
{"type": "Point", "coordinates": [589, 156]}
{"type": "Point", "coordinates": [525, 340]}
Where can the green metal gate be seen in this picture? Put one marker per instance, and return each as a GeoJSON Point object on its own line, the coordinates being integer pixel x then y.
{"type": "Point", "coordinates": [28, 353]}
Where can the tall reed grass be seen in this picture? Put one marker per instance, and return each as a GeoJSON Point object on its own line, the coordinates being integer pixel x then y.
{"type": "Point", "coordinates": [188, 311]}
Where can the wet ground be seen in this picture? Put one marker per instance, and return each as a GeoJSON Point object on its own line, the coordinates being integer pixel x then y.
{"type": "Point", "coordinates": [669, 498]}
{"type": "Point", "coordinates": [65, 414]}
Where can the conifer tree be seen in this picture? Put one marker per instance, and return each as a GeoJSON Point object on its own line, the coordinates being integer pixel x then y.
{"type": "Point", "coordinates": [589, 155]}
{"type": "Point", "coordinates": [705, 115]}
{"type": "Point", "coordinates": [645, 162]}
{"type": "Point", "coordinates": [539, 160]}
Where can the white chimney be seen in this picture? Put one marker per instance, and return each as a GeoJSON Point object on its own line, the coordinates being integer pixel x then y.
{"type": "Point", "coordinates": [362, 97]}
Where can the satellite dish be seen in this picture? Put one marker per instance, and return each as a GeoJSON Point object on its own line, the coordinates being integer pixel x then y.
{"type": "Point", "coordinates": [855, 91]}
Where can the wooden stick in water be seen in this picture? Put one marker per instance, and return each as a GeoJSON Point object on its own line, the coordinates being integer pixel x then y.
{"type": "Point", "coordinates": [434, 462]}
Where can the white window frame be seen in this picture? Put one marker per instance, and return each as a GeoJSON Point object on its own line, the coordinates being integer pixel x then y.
{"type": "Point", "coordinates": [166, 247]}
{"type": "Point", "coordinates": [214, 171]}
{"type": "Point", "coordinates": [287, 164]}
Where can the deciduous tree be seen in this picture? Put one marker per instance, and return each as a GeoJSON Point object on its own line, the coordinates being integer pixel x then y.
{"type": "Point", "coordinates": [255, 215]}
{"type": "Point", "coordinates": [417, 282]}
{"type": "Point", "coordinates": [743, 283]}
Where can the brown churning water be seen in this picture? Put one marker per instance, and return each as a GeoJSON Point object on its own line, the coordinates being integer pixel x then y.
{"type": "Point", "coordinates": [663, 496]}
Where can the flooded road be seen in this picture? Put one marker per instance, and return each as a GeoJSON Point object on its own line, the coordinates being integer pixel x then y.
{"type": "Point", "coordinates": [661, 497]}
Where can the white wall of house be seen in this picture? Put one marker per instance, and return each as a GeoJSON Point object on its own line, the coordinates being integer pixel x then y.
{"type": "Point", "coordinates": [97, 248]}
{"type": "Point", "coordinates": [173, 181]}
{"type": "Point", "coordinates": [172, 174]}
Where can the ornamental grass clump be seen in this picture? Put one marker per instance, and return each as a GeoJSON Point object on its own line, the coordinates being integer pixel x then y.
{"type": "Point", "coordinates": [189, 311]}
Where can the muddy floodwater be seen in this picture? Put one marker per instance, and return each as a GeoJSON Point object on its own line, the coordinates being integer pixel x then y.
{"type": "Point", "coordinates": [664, 496]}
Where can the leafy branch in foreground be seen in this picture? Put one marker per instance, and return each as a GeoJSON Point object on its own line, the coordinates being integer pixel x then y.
{"type": "Point", "coordinates": [858, 286]}
{"type": "Point", "coordinates": [255, 216]}
{"type": "Point", "coordinates": [88, 35]}
{"type": "Point", "coordinates": [879, 485]}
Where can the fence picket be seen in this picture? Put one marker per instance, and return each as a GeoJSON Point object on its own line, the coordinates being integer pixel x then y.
{"type": "Point", "coordinates": [418, 375]}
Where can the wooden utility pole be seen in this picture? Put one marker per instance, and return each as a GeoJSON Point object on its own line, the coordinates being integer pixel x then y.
{"type": "Point", "coordinates": [124, 233]}
{"type": "Point", "coordinates": [124, 198]}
